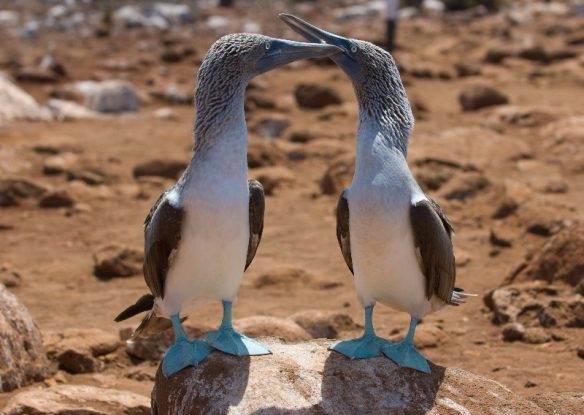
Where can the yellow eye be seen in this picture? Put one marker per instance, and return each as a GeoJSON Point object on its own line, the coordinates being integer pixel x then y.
{"type": "Point", "coordinates": [268, 45]}
{"type": "Point", "coordinates": [354, 49]}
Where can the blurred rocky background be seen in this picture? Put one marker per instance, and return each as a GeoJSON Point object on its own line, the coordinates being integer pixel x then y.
{"type": "Point", "coordinates": [95, 122]}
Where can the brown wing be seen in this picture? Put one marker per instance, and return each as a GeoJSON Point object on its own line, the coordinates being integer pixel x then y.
{"type": "Point", "coordinates": [432, 236]}
{"type": "Point", "coordinates": [161, 238]}
{"type": "Point", "coordinates": [343, 234]}
{"type": "Point", "coordinates": [257, 205]}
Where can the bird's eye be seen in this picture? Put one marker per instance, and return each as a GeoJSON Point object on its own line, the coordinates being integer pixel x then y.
{"type": "Point", "coordinates": [354, 49]}
{"type": "Point", "coordinates": [268, 45]}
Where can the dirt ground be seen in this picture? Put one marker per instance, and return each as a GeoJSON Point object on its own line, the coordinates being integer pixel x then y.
{"type": "Point", "coordinates": [53, 249]}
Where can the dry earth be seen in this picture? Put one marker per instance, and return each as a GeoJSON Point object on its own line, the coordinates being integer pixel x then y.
{"type": "Point", "coordinates": [509, 176]}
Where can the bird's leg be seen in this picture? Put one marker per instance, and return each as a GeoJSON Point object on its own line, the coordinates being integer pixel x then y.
{"type": "Point", "coordinates": [405, 353]}
{"type": "Point", "coordinates": [366, 346]}
{"type": "Point", "coordinates": [183, 352]}
{"type": "Point", "coordinates": [229, 341]}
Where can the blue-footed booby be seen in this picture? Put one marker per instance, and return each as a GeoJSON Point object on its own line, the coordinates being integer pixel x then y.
{"type": "Point", "coordinates": [393, 237]}
{"type": "Point", "coordinates": [203, 232]}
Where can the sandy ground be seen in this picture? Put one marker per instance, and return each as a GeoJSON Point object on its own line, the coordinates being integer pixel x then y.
{"type": "Point", "coordinates": [53, 249]}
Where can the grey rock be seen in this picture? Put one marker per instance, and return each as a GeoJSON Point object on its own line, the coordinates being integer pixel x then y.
{"type": "Point", "coordinates": [479, 96]}
{"type": "Point", "coordinates": [21, 346]}
{"type": "Point", "coordinates": [316, 96]}
{"type": "Point", "coordinates": [77, 399]}
{"type": "Point", "coordinates": [117, 261]}
{"type": "Point", "coordinates": [306, 378]}
{"type": "Point", "coordinates": [168, 168]}
{"type": "Point", "coordinates": [9, 277]}
{"type": "Point", "coordinates": [113, 96]}
{"type": "Point", "coordinates": [15, 104]}
{"type": "Point", "coordinates": [513, 332]}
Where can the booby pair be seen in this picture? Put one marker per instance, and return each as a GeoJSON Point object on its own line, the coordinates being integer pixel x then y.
{"type": "Point", "coordinates": [203, 232]}
{"type": "Point", "coordinates": [394, 238]}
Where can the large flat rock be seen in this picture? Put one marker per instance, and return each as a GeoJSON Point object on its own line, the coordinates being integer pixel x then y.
{"type": "Point", "coordinates": [307, 379]}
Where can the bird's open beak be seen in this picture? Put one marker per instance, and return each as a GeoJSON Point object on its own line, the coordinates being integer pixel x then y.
{"type": "Point", "coordinates": [282, 51]}
{"type": "Point", "coordinates": [315, 35]}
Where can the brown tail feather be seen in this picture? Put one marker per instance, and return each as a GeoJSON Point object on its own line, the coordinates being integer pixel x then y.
{"type": "Point", "coordinates": [144, 303]}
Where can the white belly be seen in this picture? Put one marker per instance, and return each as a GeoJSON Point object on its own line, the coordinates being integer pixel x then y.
{"type": "Point", "coordinates": [384, 256]}
{"type": "Point", "coordinates": [210, 261]}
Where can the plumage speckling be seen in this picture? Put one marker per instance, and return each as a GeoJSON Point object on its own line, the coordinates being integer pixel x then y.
{"type": "Point", "coordinates": [223, 76]}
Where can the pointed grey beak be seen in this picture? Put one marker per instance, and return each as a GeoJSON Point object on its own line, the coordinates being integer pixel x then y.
{"type": "Point", "coordinates": [312, 33]}
{"type": "Point", "coordinates": [280, 52]}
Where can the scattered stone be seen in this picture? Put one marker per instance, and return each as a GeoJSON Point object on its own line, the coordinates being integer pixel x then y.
{"type": "Point", "coordinates": [316, 96]}
{"type": "Point", "coordinates": [580, 353]}
{"type": "Point", "coordinates": [432, 175]}
{"type": "Point", "coordinates": [15, 104]}
{"type": "Point", "coordinates": [338, 176]}
{"type": "Point", "coordinates": [536, 335]}
{"type": "Point", "coordinates": [56, 199]}
{"type": "Point", "coordinates": [536, 304]}
{"type": "Point", "coordinates": [35, 75]}
{"type": "Point", "coordinates": [165, 114]}
{"type": "Point", "coordinates": [13, 190]}
{"type": "Point", "coordinates": [112, 96]}
{"type": "Point", "coordinates": [525, 116]}
{"type": "Point", "coordinates": [464, 186]}
{"type": "Point", "coordinates": [77, 399]}
{"type": "Point", "coordinates": [76, 350]}
{"type": "Point", "coordinates": [534, 53]}
{"type": "Point", "coordinates": [263, 153]}
{"type": "Point", "coordinates": [116, 261]}
{"type": "Point", "coordinates": [174, 94]}
{"type": "Point", "coordinates": [561, 259]}
{"type": "Point", "coordinates": [479, 96]}
{"type": "Point", "coordinates": [307, 378]}
{"type": "Point", "coordinates": [324, 324]}
{"type": "Point", "coordinates": [500, 238]}
{"type": "Point", "coordinates": [301, 136]}
{"type": "Point", "coordinates": [283, 329]}
{"type": "Point", "coordinates": [9, 278]}
{"type": "Point", "coordinates": [78, 361]}
{"type": "Point", "coordinates": [505, 208]}
{"type": "Point", "coordinates": [513, 332]}
{"type": "Point", "coordinates": [169, 168]}
{"type": "Point", "coordinates": [60, 163]}
{"type": "Point", "coordinates": [466, 69]}
{"type": "Point", "coordinates": [498, 55]}
{"type": "Point", "coordinates": [154, 347]}
{"type": "Point", "coordinates": [64, 110]}
{"type": "Point", "coordinates": [284, 277]}
{"type": "Point", "coordinates": [256, 100]}
{"type": "Point", "coordinates": [530, 384]}
{"type": "Point", "coordinates": [271, 127]}
{"type": "Point", "coordinates": [273, 177]}
{"type": "Point", "coordinates": [21, 346]}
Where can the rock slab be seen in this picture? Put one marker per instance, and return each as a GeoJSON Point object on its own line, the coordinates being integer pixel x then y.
{"type": "Point", "coordinates": [307, 379]}
{"type": "Point", "coordinates": [22, 357]}
{"type": "Point", "coordinates": [77, 399]}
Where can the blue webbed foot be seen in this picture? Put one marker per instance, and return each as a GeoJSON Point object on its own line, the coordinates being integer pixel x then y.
{"type": "Point", "coordinates": [229, 341]}
{"type": "Point", "coordinates": [364, 347]}
{"type": "Point", "coordinates": [405, 354]}
{"type": "Point", "coordinates": [184, 353]}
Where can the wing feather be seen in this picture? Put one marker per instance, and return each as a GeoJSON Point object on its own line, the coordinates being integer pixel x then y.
{"type": "Point", "coordinates": [432, 236]}
{"type": "Point", "coordinates": [343, 233]}
{"type": "Point", "coordinates": [257, 206]}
